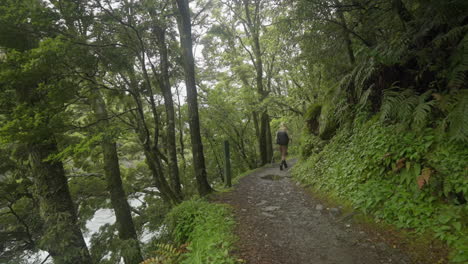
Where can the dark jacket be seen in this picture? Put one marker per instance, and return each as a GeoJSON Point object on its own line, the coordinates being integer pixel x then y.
{"type": "Point", "coordinates": [282, 138]}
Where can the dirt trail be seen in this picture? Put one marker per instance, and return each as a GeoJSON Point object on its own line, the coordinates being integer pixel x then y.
{"type": "Point", "coordinates": [279, 223]}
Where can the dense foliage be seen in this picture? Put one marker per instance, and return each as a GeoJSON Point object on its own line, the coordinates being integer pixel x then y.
{"type": "Point", "coordinates": [206, 228]}
{"type": "Point", "coordinates": [387, 128]}
{"type": "Point", "coordinates": [104, 108]}
{"type": "Point", "coordinates": [412, 180]}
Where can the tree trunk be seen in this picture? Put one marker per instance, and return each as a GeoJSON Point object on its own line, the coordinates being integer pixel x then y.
{"type": "Point", "coordinates": [181, 133]}
{"type": "Point", "coordinates": [170, 114]}
{"type": "Point", "coordinates": [149, 148]}
{"type": "Point", "coordinates": [346, 37]}
{"type": "Point", "coordinates": [254, 27]}
{"type": "Point", "coordinates": [264, 127]}
{"type": "Point", "coordinates": [154, 163]}
{"type": "Point", "coordinates": [269, 141]}
{"type": "Point", "coordinates": [263, 142]}
{"type": "Point", "coordinates": [124, 220]}
{"type": "Point", "coordinates": [63, 239]}
{"type": "Point", "coordinates": [189, 67]}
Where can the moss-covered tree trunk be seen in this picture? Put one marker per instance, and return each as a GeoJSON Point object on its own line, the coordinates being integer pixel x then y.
{"type": "Point", "coordinates": [63, 238]}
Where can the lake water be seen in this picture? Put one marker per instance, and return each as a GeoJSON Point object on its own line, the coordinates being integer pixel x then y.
{"type": "Point", "coordinates": [100, 218]}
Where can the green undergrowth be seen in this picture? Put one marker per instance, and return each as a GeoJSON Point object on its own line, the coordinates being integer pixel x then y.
{"type": "Point", "coordinates": [413, 180]}
{"type": "Point", "coordinates": [201, 233]}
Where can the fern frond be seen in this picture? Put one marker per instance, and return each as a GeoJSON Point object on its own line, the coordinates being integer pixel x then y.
{"type": "Point", "coordinates": [452, 37]}
{"type": "Point", "coordinates": [365, 95]}
{"type": "Point", "coordinates": [345, 83]}
{"type": "Point", "coordinates": [166, 254]}
{"type": "Point", "coordinates": [459, 65]}
{"type": "Point", "coordinates": [421, 112]}
{"type": "Point", "coordinates": [406, 106]}
{"type": "Point", "coordinates": [457, 118]}
{"type": "Point", "coordinates": [390, 100]}
{"type": "Point", "coordinates": [357, 81]}
{"type": "Point", "coordinates": [156, 260]}
{"type": "Point", "coordinates": [407, 102]}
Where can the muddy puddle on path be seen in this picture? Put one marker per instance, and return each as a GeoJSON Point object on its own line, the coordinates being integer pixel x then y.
{"type": "Point", "coordinates": [271, 177]}
{"type": "Point", "coordinates": [279, 223]}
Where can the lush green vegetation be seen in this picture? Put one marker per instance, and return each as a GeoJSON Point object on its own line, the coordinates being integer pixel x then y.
{"type": "Point", "coordinates": [412, 180]}
{"type": "Point", "coordinates": [102, 102]}
{"type": "Point", "coordinates": [195, 231]}
{"type": "Point", "coordinates": [207, 229]}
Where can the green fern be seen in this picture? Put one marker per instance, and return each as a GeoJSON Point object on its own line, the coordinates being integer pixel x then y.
{"type": "Point", "coordinates": [457, 118]}
{"type": "Point", "coordinates": [357, 83]}
{"type": "Point", "coordinates": [452, 37]}
{"type": "Point", "coordinates": [407, 107]}
{"type": "Point", "coordinates": [459, 65]}
{"type": "Point", "coordinates": [397, 104]}
{"type": "Point", "coordinates": [166, 254]}
{"type": "Point", "coordinates": [423, 109]}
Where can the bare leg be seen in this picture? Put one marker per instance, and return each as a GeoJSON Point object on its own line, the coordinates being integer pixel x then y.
{"type": "Point", "coordinates": [284, 151]}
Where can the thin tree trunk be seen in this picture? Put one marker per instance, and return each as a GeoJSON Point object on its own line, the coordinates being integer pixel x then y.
{"type": "Point", "coordinates": [263, 142]}
{"type": "Point", "coordinates": [346, 36]}
{"type": "Point", "coordinates": [153, 159]}
{"type": "Point", "coordinates": [264, 127]}
{"type": "Point", "coordinates": [269, 141]}
{"type": "Point", "coordinates": [170, 115]}
{"type": "Point", "coordinates": [154, 163]}
{"type": "Point", "coordinates": [64, 239]}
{"type": "Point", "coordinates": [254, 27]}
{"type": "Point", "coordinates": [189, 67]}
{"type": "Point", "coordinates": [119, 202]}
{"type": "Point", "coordinates": [181, 133]}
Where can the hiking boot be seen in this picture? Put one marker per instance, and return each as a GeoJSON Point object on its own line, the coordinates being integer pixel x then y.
{"type": "Point", "coordinates": [281, 166]}
{"type": "Point", "coordinates": [285, 164]}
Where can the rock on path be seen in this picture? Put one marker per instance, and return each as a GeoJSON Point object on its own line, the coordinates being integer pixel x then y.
{"type": "Point", "coordinates": [279, 223]}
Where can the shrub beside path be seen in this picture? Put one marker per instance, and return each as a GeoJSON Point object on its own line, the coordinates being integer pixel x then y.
{"type": "Point", "coordinates": [280, 223]}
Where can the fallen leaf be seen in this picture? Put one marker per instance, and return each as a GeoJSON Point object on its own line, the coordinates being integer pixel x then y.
{"type": "Point", "coordinates": [399, 164]}
{"type": "Point", "coordinates": [437, 96]}
{"type": "Point", "coordinates": [424, 177]}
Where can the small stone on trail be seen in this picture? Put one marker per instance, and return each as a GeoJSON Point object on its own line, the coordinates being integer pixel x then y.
{"type": "Point", "coordinates": [319, 207]}
{"type": "Point", "coordinates": [244, 210]}
{"type": "Point", "coordinates": [335, 212]}
{"type": "Point", "coordinates": [261, 203]}
{"type": "Point", "coordinates": [268, 214]}
{"type": "Point", "coordinates": [271, 208]}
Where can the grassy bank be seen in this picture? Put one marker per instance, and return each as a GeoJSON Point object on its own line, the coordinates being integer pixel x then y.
{"type": "Point", "coordinates": [412, 180]}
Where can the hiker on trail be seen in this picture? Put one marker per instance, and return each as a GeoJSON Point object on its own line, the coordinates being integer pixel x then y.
{"type": "Point", "coordinates": [282, 139]}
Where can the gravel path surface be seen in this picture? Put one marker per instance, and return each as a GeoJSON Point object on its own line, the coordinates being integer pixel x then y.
{"type": "Point", "coordinates": [279, 223]}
